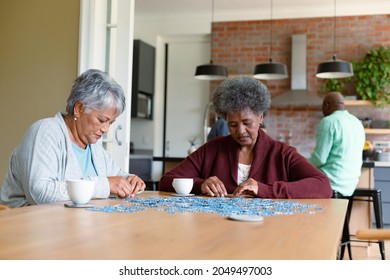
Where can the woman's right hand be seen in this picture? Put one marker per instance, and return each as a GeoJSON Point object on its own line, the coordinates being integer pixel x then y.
{"type": "Point", "coordinates": [120, 186]}
{"type": "Point", "coordinates": [212, 186]}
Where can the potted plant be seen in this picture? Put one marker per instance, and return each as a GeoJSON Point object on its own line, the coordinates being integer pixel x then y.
{"type": "Point", "coordinates": [332, 85]}
{"type": "Point", "coordinates": [371, 78]}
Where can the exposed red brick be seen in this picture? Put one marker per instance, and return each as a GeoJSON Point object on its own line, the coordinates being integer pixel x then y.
{"type": "Point", "coordinates": [243, 44]}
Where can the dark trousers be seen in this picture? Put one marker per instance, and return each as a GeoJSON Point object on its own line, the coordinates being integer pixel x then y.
{"type": "Point", "coordinates": [336, 194]}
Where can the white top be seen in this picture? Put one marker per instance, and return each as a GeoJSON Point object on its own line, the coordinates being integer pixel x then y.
{"type": "Point", "coordinates": [243, 172]}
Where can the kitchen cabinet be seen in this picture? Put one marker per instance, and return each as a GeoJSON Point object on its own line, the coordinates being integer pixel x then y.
{"type": "Point", "coordinates": [382, 181]}
{"type": "Point", "coordinates": [140, 164]}
{"type": "Point", "coordinates": [143, 80]}
{"type": "Point", "coordinates": [374, 175]}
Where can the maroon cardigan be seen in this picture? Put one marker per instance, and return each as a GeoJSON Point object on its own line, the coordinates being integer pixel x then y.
{"type": "Point", "coordinates": [281, 172]}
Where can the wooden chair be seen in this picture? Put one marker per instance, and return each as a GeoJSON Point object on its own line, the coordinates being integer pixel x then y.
{"type": "Point", "coordinates": [373, 234]}
{"type": "Point", "coordinates": [3, 207]}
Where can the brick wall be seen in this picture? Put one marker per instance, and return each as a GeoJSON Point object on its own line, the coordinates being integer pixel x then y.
{"type": "Point", "coordinates": [295, 126]}
{"type": "Point", "coordinates": [241, 45]}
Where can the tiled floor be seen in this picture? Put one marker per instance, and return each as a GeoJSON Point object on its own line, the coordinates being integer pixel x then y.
{"type": "Point", "coordinates": [360, 252]}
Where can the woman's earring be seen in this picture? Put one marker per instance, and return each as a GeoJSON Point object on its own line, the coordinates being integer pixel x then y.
{"type": "Point", "coordinates": [75, 118]}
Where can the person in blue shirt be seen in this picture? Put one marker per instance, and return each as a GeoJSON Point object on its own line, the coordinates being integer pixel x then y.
{"type": "Point", "coordinates": [219, 128]}
{"type": "Point", "coordinates": [339, 146]}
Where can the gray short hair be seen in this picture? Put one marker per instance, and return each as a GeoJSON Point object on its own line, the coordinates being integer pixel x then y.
{"type": "Point", "coordinates": [97, 91]}
{"type": "Point", "coordinates": [241, 93]}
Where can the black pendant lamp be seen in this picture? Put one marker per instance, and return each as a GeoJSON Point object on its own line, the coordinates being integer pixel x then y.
{"type": "Point", "coordinates": [270, 70]}
{"type": "Point", "coordinates": [211, 71]}
{"type": "Point", "coordinates": [334, 68]}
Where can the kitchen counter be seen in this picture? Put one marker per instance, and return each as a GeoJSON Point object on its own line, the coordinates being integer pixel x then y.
{"type": "Point", "coordinates": [168, 162]}
{"type": "Point", "coordinates": [169, 159]}
{"type": "Point", "coordinates": [142, 154]}
{"type": "Point", "coordinates": [372, 164]}
{"type": "Point", "coordinates": [381, 163]}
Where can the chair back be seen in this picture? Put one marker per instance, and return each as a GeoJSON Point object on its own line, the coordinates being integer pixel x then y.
{"type": "Point", "coordinates": [373, 234]}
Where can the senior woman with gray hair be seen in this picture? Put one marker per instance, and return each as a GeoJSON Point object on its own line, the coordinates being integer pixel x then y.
{"type": "Point", "coordinates": [248, 161]}
{"type": "Point", "coordinates": [65, 147]}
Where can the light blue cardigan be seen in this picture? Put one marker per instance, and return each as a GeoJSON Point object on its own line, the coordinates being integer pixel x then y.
{"type": "Point", "coordinates": [44, 160]}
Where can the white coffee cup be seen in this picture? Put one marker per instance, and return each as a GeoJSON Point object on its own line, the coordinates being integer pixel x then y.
{"type": "Point", "coordinates": [183, 185]}
{"type": "Point", "coordinates": [80, 191]}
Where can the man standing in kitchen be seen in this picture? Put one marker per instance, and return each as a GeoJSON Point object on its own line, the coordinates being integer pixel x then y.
{"type": "Point", "coordinates": [339, 146]}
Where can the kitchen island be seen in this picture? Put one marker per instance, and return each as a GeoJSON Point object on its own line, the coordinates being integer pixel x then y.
{"type": "Point", "coordinates": [382, 182]}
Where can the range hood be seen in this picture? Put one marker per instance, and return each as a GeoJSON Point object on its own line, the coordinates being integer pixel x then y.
{"type": "Point", "coordinates": [298, 96]}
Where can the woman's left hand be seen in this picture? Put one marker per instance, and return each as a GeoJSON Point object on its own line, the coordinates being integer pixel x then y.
{"type": "Point", "coordinates": [137, 183]}
{"type": "Point", "coordinates": [126, 187]}
{"type": "Point", "coordinates": [248, 187]}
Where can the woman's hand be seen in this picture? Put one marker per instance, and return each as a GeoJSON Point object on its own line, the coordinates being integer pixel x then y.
{"type": "Point", "coordinates": [137, 183]}
{"type": "Point", "coordinates": [128, 187]}
{"type": "Point", "coordinates": [248, 187]}
{"type": "Point", "coordinates": [213, 187]}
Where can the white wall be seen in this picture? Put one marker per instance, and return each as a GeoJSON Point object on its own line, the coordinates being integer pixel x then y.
{"type": "Point", "coordinates": [148, 134]}
{"type": "Point", "coordinates": [187, 97]}
{"type": "Point", "coordinates": [38, 63]}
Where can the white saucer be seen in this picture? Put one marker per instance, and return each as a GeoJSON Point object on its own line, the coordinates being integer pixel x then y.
{"type": "Point", "coordinates": [72, 205]}
{"type": "Point", "coordinates": [179, 194]}
{"type": "Point", "coordinates": [246, 218]}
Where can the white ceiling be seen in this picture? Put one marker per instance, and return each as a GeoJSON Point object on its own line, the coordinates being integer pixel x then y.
{"type": "Point", "coordinates": [229, 10]}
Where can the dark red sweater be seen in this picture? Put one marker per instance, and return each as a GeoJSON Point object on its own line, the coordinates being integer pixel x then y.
{"type": "Point", "coordinates": [281, 172]}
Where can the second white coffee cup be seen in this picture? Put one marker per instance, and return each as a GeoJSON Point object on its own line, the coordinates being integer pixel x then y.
{"type": "Point", "coordinates": [80, 191]}
{"type": "Point", "coordinates": [183, 185]}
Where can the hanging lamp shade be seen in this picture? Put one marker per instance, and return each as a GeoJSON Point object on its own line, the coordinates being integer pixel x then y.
{"type": "Point", "coordinates": [270, 71]}
{"type": "Point", "coordinates": [334, 69]}
{"type": "Point", "coordinates": [211, 72]}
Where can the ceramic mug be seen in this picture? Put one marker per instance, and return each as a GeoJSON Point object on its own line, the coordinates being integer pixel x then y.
{"type": "Point", "coordinates": [183, 185]}
{"type": "Point", "coordinates": [80, 191]}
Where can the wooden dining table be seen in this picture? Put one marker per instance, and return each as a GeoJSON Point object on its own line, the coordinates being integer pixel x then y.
{"type": "Point", "coordinates": [55, 232]}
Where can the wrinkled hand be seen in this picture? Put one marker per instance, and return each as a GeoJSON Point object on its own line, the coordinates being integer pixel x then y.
{"type": "Point", "coordinates": [248, 187]}
{"type": "Point", "coordinates": [213, 187]}
{"type": "Point", "coordinates": [126, 187]}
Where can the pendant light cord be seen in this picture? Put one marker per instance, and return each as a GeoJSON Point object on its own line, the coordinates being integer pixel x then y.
{"type": "Point", "coordinates": [270, 34]}
{"type": "Point", "coordinates": [334, 31]}
{"type": "Point", "coordinates": [212, 37]}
